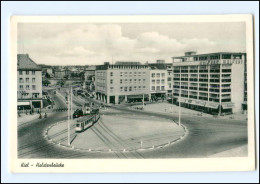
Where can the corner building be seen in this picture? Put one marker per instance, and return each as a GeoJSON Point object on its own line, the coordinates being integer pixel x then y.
{"type": "Point", "coordinates": [122, 82]}
{"type": "Point", "coordinates": [214, 83]}
{"type": "Point", "coordinates": [29, 83]}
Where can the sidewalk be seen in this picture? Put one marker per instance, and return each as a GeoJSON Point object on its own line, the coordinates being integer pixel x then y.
{"type": "Point", "coordinates": [27, 118]}
{"type": "Point", "coordinates": [235, 152]}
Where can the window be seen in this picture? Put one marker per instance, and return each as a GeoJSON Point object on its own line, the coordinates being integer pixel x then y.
{"type": "Point", "coordinates": [21, 80]}
{"type": "Point", "coordinates": [130, 74]}
{"type": "Point", "coordinates": [162, 87]}
{"type": "Point", "coordinates": [153, 81]}
{"type": "Point", "coordinates": [33, 80]}
{"type": "Point", "coordinates": [111, 81]}
{"type": "Point", "coordinates": [130, 88]}
{"type": "Point", "coordinates": [143, 73]}
{"type": "Point", "coordinates": [135, 74]}
{"type": "Point", "coordinates": [20, 72]}
{"type": "Point", "coordinates": [135, 88]}
{"type": "Point", "coordinates": [121, 74]}
{"type": "Point", "coordinates": [143, 87]}
{"type": "Point", "coordinates": [21, 87]}
{"type": "Point", "coordinates": [27, 79]}
{"type": "Point", "coordinates": [121, 80]}
{"type": "Point", "coordinates": [158, 75]}
{"type": "Point", "coordinates": [153, 75]}
{"type": "Point", "coordinates": [27, 87]}
{"type": "Point", "coordinates": [33, 72]}
{"type": "Point", "coordinates": [143, 80]}
{"type": "Point", "coordinates": [139, 73]}
{"type": "Point", "coordinates": [140, 87]}
{"type": "Point", "coordinates": [125, 88]}
{"type": "Point", "coordinates": [153, 88]}
{"type": "Point", "coordinates": [130, 80]}
{"type": "Point", "coordinates": [157, 81]}
{"type": "Point", "coordinates": [157, 87]}
{"type": "Point", "coordinates": [111, 88]}
{"type": "Point", "coordinates": [121, 88]}
{"type": "Point", "coordinates": [135, 80]}
{"type": "Point", "coordinates": [111, 74]}
{"type": "Point", "coordinates": [125, 80]}
{"type": "Point", "coordinates": [163, 74]}
{"type": "Point", "coordinates": [163, 81]}
{"type": "Point", "coordinates": [139, 80]}
{"type": "Point", "coordinates": [27, 72]}
{"type": "Point", "coordinates": [34, 87]}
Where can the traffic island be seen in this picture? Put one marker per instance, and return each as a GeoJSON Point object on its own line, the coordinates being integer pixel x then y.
{"type": "Point", "coordinates": [118, 133]}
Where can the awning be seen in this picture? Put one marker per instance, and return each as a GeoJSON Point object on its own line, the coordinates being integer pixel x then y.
{"type": "Point", "coordinates": [228, 105]}
{"type": "Point", "coordinates": [23, 103]}
{"type": "Point", "coordinates": [137, 96]}
{"type": "Point", "coordinates": [196, 102]}
{"type": "Point", "coordinates": [182, 100]}
{"type": "Point", "coordinates": [212, 105]}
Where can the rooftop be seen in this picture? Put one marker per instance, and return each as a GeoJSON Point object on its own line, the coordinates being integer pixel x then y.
{"type": "Point", "coordinates": [24, 62]}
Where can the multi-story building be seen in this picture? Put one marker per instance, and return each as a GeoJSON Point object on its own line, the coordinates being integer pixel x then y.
{"type": "Point", "coordinates": [123, 81]}
{"type": "Point", "coordinates": [89, 78]}
{"type": "Point", "coordinates": [29, 83]}
{"type": "Point", "coordinates": [158, 80]}
{"type": "Point", "coordinates": [214, 83]}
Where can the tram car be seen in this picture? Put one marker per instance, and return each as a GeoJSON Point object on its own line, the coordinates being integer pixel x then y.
{"type": "Point", "coordinates": [85, 122]}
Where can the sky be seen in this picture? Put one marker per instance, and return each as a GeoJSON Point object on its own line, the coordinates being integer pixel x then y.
{"type": "Point", "coordinates": [94, 44]}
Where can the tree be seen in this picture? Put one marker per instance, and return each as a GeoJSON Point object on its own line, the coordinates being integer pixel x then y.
{"type": "Point", "coordinates": [47, 75]}
{"type": "Point", "coordinates": [46, 82]}
{"type": "Point", "coordinates": [60, 83]}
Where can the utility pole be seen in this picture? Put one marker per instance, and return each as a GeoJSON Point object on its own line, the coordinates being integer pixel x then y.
{"type": "Point", "coordinates": [143, 100]}
{"type": "Point", "coordinates": [68, 100]}
{"type": "Point", "coordinates": [71, 112]}
{"type": "Point", "coordinates": [179, 107]}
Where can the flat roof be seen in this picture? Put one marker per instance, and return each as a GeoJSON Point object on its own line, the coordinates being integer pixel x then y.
{"type": "Point", "coordinates": [214, 53]}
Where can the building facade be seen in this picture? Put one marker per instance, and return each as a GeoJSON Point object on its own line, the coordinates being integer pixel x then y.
{"type": "Point", "coordinates": [29, 83]}
{"type": "Point", "coordinates": [122, 82]}
{"type": "Point", "coordinates": [213, 83]}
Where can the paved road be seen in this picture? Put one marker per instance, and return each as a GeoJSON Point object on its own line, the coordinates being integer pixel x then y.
{"type": "Point", "coordinates": [206, 136]}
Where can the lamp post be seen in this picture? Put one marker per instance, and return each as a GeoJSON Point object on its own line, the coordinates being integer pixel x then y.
{"type": "Point", "coordinates": [180, 107]}
{"type": "Point", "coordinates": [68, 100]}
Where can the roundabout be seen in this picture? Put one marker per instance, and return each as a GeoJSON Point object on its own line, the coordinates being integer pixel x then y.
{"type": "Point", "coordinates": [118, 133]}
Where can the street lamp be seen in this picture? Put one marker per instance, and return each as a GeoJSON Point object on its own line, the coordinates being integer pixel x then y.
{"type": "Point", "coordinates": [179, 107]}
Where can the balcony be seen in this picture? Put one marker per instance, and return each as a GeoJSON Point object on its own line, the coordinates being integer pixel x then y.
{"type": "Point", "coordinates": [214, 80]}
{"type": "Point", "coordinates": [184, 71]}
{"type": "Point", "coordinates": [214, 90]}
{"type": "Point", "coordinates": [203, 71]}
{"type": "Point", "coordinates": [193, 71]}
{"type": "Point", "coordinates": [226, 90]}
{"type": "Point", "coordinates": [215, 71]}
{"type": "Point", "coordinates": [226, 80]}
{"type": "Point", "coordinates": [193, 88]}
{"type": "Point", "coordinates": [203, 80]}
{"type": "Point", "coordinates": [193, 79]}
{"type": "Point", "coordinates": [203, 89]}
{"type": "Point", "coordinates": [226, 70]}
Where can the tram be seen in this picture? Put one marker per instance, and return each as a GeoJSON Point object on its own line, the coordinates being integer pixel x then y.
{"type": "Point", "coordinates": [85, 122]}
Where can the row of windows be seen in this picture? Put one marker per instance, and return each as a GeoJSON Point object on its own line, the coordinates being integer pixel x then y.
{"type": "Point", "coordinates": [130, 88]}
{"type": "Point", "coordinates": [130, 74]}
{"type": "Point", "coordinates": [27, 87]}
{"type": "Point", "coordinates": [158, 75]}
{"type": "Point", "coordinates": [158, 88]}
{"type": "Point", "coordinates": [27, 80]}
{"type": "Point", "coordinates": [130, 81]}
{"type": "Point", "coordinates": [26, 72]}
{"type": "Point", "coordinates": [158, 81]}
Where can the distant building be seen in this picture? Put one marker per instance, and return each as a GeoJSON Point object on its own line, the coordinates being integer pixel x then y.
{"type": "Point", "coordinates": [213, 83]}
{"type": "Point", "coordinates": [29, 83]}
{"type": "Point", "coordinates": [89, 78]}
{"type": "Point", "coordinates": [59, 73]}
